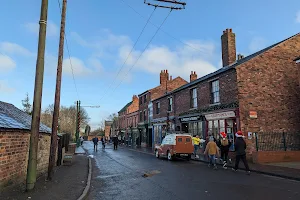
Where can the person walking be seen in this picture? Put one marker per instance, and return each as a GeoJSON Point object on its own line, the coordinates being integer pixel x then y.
{"type": "Point", "coordinates": [224, 145]}
{"type": "Point", "coordinates": [196, 142]}
{"type": "Point", "coordinates": [115, 141]}
{"type": "Point", "coordinates": [95, 141]}
{"type": "Point", "coordinates": [212, 151]}
{"type": "Point", "coordinates": [240, 152]}
{"type": "Point", "coordinates": [103, 142]}
{"type": "Point", "coordinates": [81, 140]}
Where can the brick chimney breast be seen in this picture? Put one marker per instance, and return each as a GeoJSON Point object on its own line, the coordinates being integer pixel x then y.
{"type": "Point", "coordinates": [193, 76]}
{"type": "Point", "coordinates": [228, 47]}
{"type": "Point", "coordinates": [164, 77]}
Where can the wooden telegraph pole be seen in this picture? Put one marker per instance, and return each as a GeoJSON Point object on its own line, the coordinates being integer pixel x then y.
{"type": "Point", "coordinates": [53, 146]}
{"type": "Point", "coordinates": [37, 100]}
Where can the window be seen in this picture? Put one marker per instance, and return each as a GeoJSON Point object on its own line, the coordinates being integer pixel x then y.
{"type": "Point", "coordinates": [170, 102]}
{"type": "Point", "coordinates": [141, 116]}
{"type": "Point", "coordinates": [215, 92]}
{"type": "Point", "coordinates": [145, 98]}
{"type": "Point", "coordinates": [187, 139]}
{"type": "Point", "coordinates": [157, 107]}
{"type": "Point", "coordinates": [179, 139]}
{"type": "Point", "coordinates": [134, 121]}
{"type": "Point", "coordinates": [193, 94]}
{"type": "Point", "coordinates": [145, 115]}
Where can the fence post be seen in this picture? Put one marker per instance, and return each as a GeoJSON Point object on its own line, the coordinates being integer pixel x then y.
{"type": "Point", "coordinates": [256, 141]}
{"type": "Point", "coordinates": [284, 141]}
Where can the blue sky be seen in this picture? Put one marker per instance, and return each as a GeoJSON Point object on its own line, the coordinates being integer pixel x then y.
{"type": "Point", "coordinates": [101, 33]}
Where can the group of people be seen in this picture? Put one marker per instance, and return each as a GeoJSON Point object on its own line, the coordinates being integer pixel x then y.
{"type": "Point", "coordinates": [103, 141]}
{"type": "Point", "coordinates": [220, 149]}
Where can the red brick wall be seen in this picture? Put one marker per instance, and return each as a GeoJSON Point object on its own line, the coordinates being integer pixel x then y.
{"type": "Point", "coordinates": [164, 103]}
{"type": "Point", "coordinates": [14, 149]}
{"type": "Point", "coordinates": [228, 92]}
{"type": "Point", "coordinates": [268, 84]}
{"type": "Point", "coordinates": [276, 156]}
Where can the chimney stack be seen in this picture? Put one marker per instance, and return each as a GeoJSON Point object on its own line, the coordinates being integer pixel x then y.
{"type": "Point", "coordinates": [228, 47]}
{"type": "Point", "coordinates": [171, 78]}
{"type": "Point", "coordinates": [164, 77]}
{"type": "Point", "coordinates": [193, 76]}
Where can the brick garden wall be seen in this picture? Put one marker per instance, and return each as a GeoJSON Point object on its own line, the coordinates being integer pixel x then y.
{"type": "Point", "coordinates": [14, 150]}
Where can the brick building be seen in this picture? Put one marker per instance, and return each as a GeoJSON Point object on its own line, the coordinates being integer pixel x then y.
{"type": "Point", "coordinates": [258, 93]}
{"type": "Point", "coordinates": [15, 126]}
{"type": "Point", "coordinates": [167, 84]}
{"type": "Point", "coordinates": [107, 129]}
{"type": "Point", "coordinates": [123, 120]}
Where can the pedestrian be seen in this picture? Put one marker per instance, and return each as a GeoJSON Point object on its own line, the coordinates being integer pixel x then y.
{"type": "Point", "coordinates": [81, 140]}
{"type": "Point", "coordinates": [240, 152]}
{"type": "Point", "coordinates": [212, 151]}
{"type": "Point", "coordinates": [224, 145]}
{"type": "Point", "coordinates": [95, 141]}
{"type": "Point", "coordinates": [196, 142]}
{"type": "Point", "coordinates": [103, 142]}
{"type": "Point", "coordinates": [115, 141]}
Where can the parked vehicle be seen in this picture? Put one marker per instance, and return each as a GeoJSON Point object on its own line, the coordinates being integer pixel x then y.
{"type": "Point", "coordinates": [175, 145]}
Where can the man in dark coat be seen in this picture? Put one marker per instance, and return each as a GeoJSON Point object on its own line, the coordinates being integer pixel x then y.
{"type": "Point", "coordinates": [115, 141]}
{"type": "Point", "coordinates": [240, 151]}
{"type": "Point", "coordinates": [95, 141]}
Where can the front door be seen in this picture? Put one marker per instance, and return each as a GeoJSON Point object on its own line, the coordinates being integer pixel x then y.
{"type": "Point", "coordinates": [150, 137]}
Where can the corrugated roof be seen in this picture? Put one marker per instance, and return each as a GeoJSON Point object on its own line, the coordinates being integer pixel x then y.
{"type": "Point", "coordinates": [125, 107]}
{"type": "Point", "coordinates": [226, 68]}
{"type": "Point", "coordinates": [13, 118]}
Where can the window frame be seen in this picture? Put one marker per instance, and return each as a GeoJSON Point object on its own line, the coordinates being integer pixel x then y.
{"type": "Point", "coordinates": [157, 107]}
{"type": "Point", "coordinates": [170, 104]}
{"type": "Point", "coordinates": [215, 91]}
{"type": "Point", "coordinates": [193, 99]}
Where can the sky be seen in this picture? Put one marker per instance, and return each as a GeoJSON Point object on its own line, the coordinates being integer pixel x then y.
{"type": "Point", "coordinates": [101, 34]}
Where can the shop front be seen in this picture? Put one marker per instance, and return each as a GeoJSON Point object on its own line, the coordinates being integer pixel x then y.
{"type": "Point", "coordinates": [193, 124]}
{"type": "Point", "coordinates": [226, 121]}
{"type": "Point", "coordinates": [162, 127]}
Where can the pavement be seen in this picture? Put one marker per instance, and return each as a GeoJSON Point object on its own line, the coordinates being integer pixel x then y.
{"type": "Point", "coordinates": [68, 183]}
{"type": "Point", "coordinates": [129, 174]}
{"type": "Point", "coordinates": [288, 170]}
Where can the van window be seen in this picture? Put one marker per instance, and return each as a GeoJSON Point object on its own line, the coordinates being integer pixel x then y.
{"type": "Point", "coordinates": [179, 139]}
{"type": "Point", "coordinates": [188, 139]}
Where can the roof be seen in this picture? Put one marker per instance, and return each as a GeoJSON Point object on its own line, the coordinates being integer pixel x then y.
{"type": "Point", "coordinates": [125, 107]}
{"type": "Point", "coordinates": [226, 68]}
{"type": "Point", "coordinates": [12, 117]}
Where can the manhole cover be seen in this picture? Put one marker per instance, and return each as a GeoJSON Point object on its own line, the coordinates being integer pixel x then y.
{"type": "Point", "coordinates": [151, 173]}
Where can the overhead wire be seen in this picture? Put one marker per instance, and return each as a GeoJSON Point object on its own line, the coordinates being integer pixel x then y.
{"type": "Point", "coordinates": [120, 69]}
{"type": "Point", "coordinates": [67, 46]}
{"type": "Point", "coordinates": [173, 37]}
{"type": "Point", "coordinates": [143, 50]}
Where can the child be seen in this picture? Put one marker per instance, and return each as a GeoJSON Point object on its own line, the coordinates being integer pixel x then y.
{"type": "Point", "coordinates": [212, 151]}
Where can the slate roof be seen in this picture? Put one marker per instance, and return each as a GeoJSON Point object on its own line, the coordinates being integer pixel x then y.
{"type": "Point", "coordinates": [13, 118]}
{"type": "Point", "coordinates": [226, 68]}
{"type": "Point", "coordinates": [125, 107]}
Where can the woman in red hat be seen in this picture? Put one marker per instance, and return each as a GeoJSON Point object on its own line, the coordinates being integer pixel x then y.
{"type": "Point", "coordinates": [224, 147]}
{"type": "Point", "coordinates": [240, 151]}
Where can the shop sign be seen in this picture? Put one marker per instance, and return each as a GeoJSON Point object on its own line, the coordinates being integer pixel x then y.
{"type": "Point", "coordinates": [253, 114]}
{"type": "Point", "coordinates": [222, 115]}
{"type": "Point", "coordinates": [186, 119]}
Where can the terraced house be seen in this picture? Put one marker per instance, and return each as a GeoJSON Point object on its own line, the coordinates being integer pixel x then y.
{"type": "Point", "coordinates": [167, 84]}
{"type": "Point", "coordinates": [258, 94]}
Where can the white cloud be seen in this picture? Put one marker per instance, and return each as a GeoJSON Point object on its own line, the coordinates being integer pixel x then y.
{"type": "Point", "coordinates": [52, 28]}
{"type": "Point", "coordinates": [6, 63]}
{"type": "Point", "coordinates": [15, 49]}
{"type": "Point", "coordinates": [298, 17]}
{"type": "Point", "coordinates": [179, 62]}
{"type": "Point", "coordinates": [256, 44]}
{"type": "Point", "coordinates": [4, 88]}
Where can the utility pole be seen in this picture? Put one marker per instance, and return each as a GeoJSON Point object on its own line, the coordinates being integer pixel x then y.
{"type": "Point", "coordinates": [78, 124]}
{"type": "Point", "coordinates": [37, 99]}
{"type": "Point", "coordinates": [53, 146]}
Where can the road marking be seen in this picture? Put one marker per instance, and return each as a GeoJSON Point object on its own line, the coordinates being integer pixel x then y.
{"type": "Point", "coordinates": [141, 152]}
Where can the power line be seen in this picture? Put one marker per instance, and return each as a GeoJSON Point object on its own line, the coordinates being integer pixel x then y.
{"type": "Point", "coordinates": [161, 29]}
{"type": "Point", "coordinates": [67, 45]}
{"type": "Point", "coordinates": [129, 54]}
{"type": "Point", "coordinates": [143, 50]}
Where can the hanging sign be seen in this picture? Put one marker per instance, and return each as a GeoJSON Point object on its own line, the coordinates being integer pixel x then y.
{"type": "Point", "coordinates": [253, 114]}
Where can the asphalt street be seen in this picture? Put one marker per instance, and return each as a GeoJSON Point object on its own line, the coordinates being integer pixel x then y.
{"type": "Point", "coordinates": [120, 174]}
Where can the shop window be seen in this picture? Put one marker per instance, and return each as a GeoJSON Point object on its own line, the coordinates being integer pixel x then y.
{"type": "Point", "coordinates": [215, 92]}
{"type": "Point", "coordinates": [170, 104]}
{"type": "Point", "coordinates": [157, 107]}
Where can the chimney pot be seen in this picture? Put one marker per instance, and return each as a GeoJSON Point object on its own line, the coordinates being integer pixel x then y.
{"type": "Point", "coordinates": [171, 78]}
{"type": "Point", "coordinates": [166, 71]}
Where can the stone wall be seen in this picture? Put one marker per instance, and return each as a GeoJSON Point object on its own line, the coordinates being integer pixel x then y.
{"type": "Point", "coordinates": [14, 150]}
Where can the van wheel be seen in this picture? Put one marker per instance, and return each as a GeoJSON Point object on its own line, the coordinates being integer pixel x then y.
{"type": "Point", "coordinates": [170, 157]}
{"type": "Point", "coordinates": [156, 154]}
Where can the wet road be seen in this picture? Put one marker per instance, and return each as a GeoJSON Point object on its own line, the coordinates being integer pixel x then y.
{"type": "Point", "coordinates": [118, 174]}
